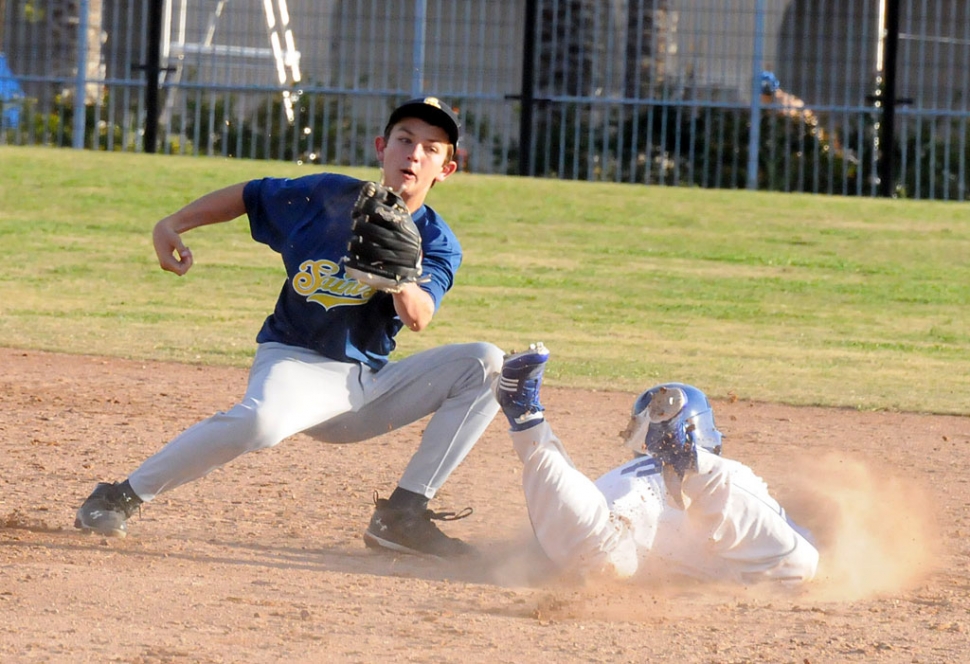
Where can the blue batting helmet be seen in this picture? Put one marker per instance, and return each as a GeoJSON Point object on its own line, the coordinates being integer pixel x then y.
{"type": "Point", "coordinates": [694, 410]}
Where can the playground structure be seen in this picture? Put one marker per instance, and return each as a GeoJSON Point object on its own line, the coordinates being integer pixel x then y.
{"type": "Point", "coordinates": [178, 52]}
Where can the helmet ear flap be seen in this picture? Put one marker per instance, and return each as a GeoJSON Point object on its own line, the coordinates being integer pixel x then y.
{"type": "Point", "coordinates": [689, 430]}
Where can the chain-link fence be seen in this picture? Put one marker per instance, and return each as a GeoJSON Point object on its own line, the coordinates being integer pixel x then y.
{"type": "Point", "coordinates": [641, 91]}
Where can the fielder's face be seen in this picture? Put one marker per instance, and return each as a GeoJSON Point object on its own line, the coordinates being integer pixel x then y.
{"type": "Point", "coordinates": [414, 156]}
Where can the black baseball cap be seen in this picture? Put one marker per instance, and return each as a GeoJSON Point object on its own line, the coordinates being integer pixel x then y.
{"type": "Point", "coordinates": [433, 111]}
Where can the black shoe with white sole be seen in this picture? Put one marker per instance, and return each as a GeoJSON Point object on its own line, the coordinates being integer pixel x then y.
{"type": "Point", "coordinates": [414, 532]}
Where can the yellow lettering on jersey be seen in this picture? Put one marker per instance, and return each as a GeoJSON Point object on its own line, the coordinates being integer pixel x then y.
{"type": "Point", "coordinates": [317, 281]}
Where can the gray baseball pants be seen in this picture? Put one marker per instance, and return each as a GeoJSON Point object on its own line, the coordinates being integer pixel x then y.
{"type": "Point", "coordinates": [293, 390]}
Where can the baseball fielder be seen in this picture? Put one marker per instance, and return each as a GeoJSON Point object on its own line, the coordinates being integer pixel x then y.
{"type": "Point", "coordinates": [362, 260]}
{"type": "Point", "coordinates": [677, 507]}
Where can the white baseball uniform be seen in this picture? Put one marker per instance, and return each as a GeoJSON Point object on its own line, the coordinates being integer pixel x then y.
{"type": "Point", "coordinates": [628, 521]}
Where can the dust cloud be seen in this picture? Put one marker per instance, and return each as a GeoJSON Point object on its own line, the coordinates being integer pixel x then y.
{"type": "Point", "coordinates": [875, 528]}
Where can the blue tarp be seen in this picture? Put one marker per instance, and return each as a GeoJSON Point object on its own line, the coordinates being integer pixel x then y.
{"type": "Point", "coordinates": [11, 96]}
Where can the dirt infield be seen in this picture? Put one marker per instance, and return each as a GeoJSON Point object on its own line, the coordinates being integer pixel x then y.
{"type": "Point", "coordinates": [262, 561]}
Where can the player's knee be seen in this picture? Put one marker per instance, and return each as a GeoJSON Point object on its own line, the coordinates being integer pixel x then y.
{"type": "Point", "coordinates": [491, 358]}
{"type": "Point", "coordinates": [481, 361]}
{"type": "Point", "coordinates": [253, 429]}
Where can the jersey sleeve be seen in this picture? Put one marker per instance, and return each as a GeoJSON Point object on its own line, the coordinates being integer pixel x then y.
{"type": "Point", "coordinates": [744, 528]}
{"type": "Point", "coordinates": [442, 255]}
{"type": "Point", "coordinates": [275, 204]}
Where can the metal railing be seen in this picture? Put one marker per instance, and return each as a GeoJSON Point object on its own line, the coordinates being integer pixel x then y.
{"type": "Point", "coordinates": [864, 98]}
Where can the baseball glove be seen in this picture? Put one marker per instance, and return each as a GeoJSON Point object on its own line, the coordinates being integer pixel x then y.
{"type": "Point", "coordinates": [385, 247]}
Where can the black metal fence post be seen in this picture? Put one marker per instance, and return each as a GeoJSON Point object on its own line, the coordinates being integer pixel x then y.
{"type": "Point", "coordinates": [527, 98]}
{"type": "Point", "coordinates": [887, 129]}
{"type": "Point", "coordinates": [152, 71]}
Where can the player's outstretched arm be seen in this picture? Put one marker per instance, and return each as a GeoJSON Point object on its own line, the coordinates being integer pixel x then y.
{"type": "Point", "coordinates": [213, 208]}
{"type": "Point", "coordinates": [414, 307]}
{"type": "Point", "coordinates": [744, 526]}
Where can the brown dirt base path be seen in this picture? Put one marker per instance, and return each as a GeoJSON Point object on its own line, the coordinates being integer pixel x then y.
{"type": "Point", "coordinates": [262, 561]}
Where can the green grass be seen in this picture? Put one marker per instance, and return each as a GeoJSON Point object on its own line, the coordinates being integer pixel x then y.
{"type": "Point", "coordinates": [789, 298]}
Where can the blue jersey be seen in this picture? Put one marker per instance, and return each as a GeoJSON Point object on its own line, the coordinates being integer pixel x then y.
{"type": "Point", "coordinates": [307, 221]}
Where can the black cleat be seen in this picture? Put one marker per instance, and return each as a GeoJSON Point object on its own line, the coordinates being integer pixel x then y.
{"type": "Point", "coordinates": [414, 532]}
{"type": "Point", "coordinates": [107, 509]}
